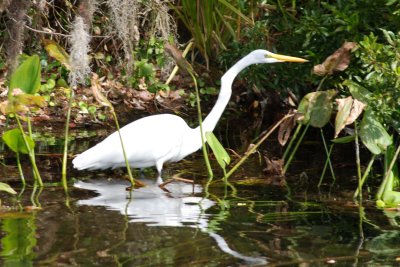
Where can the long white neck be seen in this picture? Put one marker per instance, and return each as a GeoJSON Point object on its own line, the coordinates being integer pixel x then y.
{"type": "Point", "coordinates": [225, 93]}
{"type": "Point", "coordinates": [193, 138]}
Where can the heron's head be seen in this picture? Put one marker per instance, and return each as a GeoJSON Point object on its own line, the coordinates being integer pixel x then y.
{"type": "Point", "coordinates": [264, 56]}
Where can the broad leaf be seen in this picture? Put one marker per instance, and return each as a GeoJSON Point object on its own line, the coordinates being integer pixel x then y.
{"type": "Point", "coordinates": [349, 110]}
{"type": "Point", "coordinates": [338, 61]}
{"type": "Point", "coordinates": [391, 198]}
{"type": "Point", "coordinates": [219, 151]}
{"type": "Point", "coordinates": [14, 140]}
{"type": "Point", "coordinates": [344, 108]}
{"type": "Point", "coordinates": [317, 107]}
{"type": "Point", "coordinates": [27, 76]}
{"type": "Point", "coordinates": [21, 103]}
{"type": "Point", "coordinates": [358, 92]}
{"type": "Point", "coordinates": [56, 51]}
{"type": "Point", "coordinates": [6, 188]}
{"type": "Point", "coordinates": [373, 134]}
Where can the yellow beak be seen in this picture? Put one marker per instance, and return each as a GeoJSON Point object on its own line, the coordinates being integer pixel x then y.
{"type": "Point", "coordinates": [287, 58]}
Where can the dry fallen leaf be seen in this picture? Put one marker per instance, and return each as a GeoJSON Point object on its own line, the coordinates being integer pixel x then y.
{"type": "Point", "coordinates": [338, 61]}
{"type": "Point", "coordinates": [274, 166]}
{"type": "Point", "coordinates": [349, 110]}
{"type": "Point", "coordinates": [356, 110]}
{"type": "Point", "coordinates": [96, 89]}
{"type": "Point", "coordinates": [285, 129]}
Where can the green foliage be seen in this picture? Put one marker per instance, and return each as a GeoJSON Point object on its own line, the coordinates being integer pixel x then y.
{"type": "Point", "coordinates": [27, 76]}
{"type": "Point", "coordinates": [316, 107]}
{"type": "Point", "coordinates": [373, 134]}
{"type": "Point", "coordinates": [15, 141]}
{"type": "Point", "coordinates": [208, 24]}
{"type": "Point", "coordinates": [149, 59]}
{"type": "Point", "coordinates": [220, 153]}
{"type": "Point", "coordinates": [6, 188]}
{"type": "Point", "coordinates": [377, 82]}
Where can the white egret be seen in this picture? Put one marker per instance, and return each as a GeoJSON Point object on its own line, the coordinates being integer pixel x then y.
{"type": "Point", "coordinates": [157, 139]}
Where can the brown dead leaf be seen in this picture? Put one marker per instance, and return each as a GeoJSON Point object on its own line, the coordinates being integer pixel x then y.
{"type": "Point", "coordinates": [145, 96]}
{"type": "Point", "coordinates": [338, 61]}
{"type": "Point", "coordinates": [176, 54]}
{"type": "Point", "coordinates": [96, 90]}
{"type": "Point", "coordinates": [274, 166]}
{"type": "Point", "coordinates": [285, 129]}
{"type": "Point", "coordinates": [344, 108]}
{"type": "Point", "coordinates": [356, 110]}
{"type": "Point", "coordinates": [349, 110]}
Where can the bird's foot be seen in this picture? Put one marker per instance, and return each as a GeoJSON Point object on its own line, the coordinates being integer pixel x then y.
{"type": "Point", "coordinates": [174, 179]}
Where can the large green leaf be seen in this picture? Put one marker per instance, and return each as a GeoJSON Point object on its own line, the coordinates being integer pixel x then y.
{"type": "Point", "coordinates": [358, 92]}
{"type": "Point", "coordinates": [373, 134]}
{"type": "Point", "coordinates": [219, 151]}
{"type": "Point", "coordinates": [15, 141]}
{"type": "Point", "coordinates": [27, 76]}
{"type": "Point", "coordinates": [6, 188]}
{"type": "Point", "coordinates": [317, 107]}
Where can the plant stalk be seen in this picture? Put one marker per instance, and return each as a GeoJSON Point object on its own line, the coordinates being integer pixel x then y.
{"type": "Point", "coordinates": [65, 154]}
{"type": "Point", "coordinates": [287, 164]}
{"type": "Point", "coordinates": [203, 144]}
{"type": "Point", "coordinates": [253, 148]}
{"type": "Point", "coordinates": [128, 167]}
{"type": "Point", "coordinates": [364, 177]}
{"type": "Point", "coordinates": [287, 150]}
{"type": "Point", "coordinates": [36, 173]}
{"type": "Point", "coordinates": [387, 174]}
{"type": "Point", "coordinates": [21, 173]}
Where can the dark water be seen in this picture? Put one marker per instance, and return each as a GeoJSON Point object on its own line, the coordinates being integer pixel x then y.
{"type": "Point", "coordinates": [260, 222]}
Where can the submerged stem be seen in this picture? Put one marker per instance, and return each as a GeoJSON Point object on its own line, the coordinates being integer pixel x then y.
{"type": "Point", "coordinates": [21, 173]}
{"type": "Point", "coordinates": [128, 167]}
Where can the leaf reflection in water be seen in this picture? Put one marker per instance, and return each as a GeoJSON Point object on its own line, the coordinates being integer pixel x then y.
{"type": "Point", "coordinates": [155, 207]}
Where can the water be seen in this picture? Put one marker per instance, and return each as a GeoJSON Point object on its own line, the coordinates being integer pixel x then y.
{"type": "Point", "coordinates": [262, 223]}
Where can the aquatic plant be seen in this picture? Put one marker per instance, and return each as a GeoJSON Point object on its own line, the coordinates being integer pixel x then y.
{"type": "Point", "coordinates": [24, 83]}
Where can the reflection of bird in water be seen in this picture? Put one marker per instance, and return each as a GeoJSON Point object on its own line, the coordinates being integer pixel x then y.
{"type": "Point", "coordinates": [154, 140]}
{"type": "Point", "coordinates": [155, 207]}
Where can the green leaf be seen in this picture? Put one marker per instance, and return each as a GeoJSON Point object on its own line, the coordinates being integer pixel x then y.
{"type": "Point", "coordinates": [15, 141]}
{"type": "Point", "coordinates": [358, 92]}
{"type": "Point", "coordinates": [57, 51]}
{"type": "Point", "coordinates": [373, 134]}
{"type": "Point", "coordinates": [5, 187]}
{"type": "Point", "coordinates": [344, 140]}
{"type": "Point", "coordinates": [27, 76]}
{"type": "Point", "coordinates": [317, 107]}
{"type": "Point", "coordinates": [219, 151]}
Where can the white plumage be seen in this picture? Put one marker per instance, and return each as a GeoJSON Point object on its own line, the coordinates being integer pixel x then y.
{"type": "Point", "coordinates": [157, 139]}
